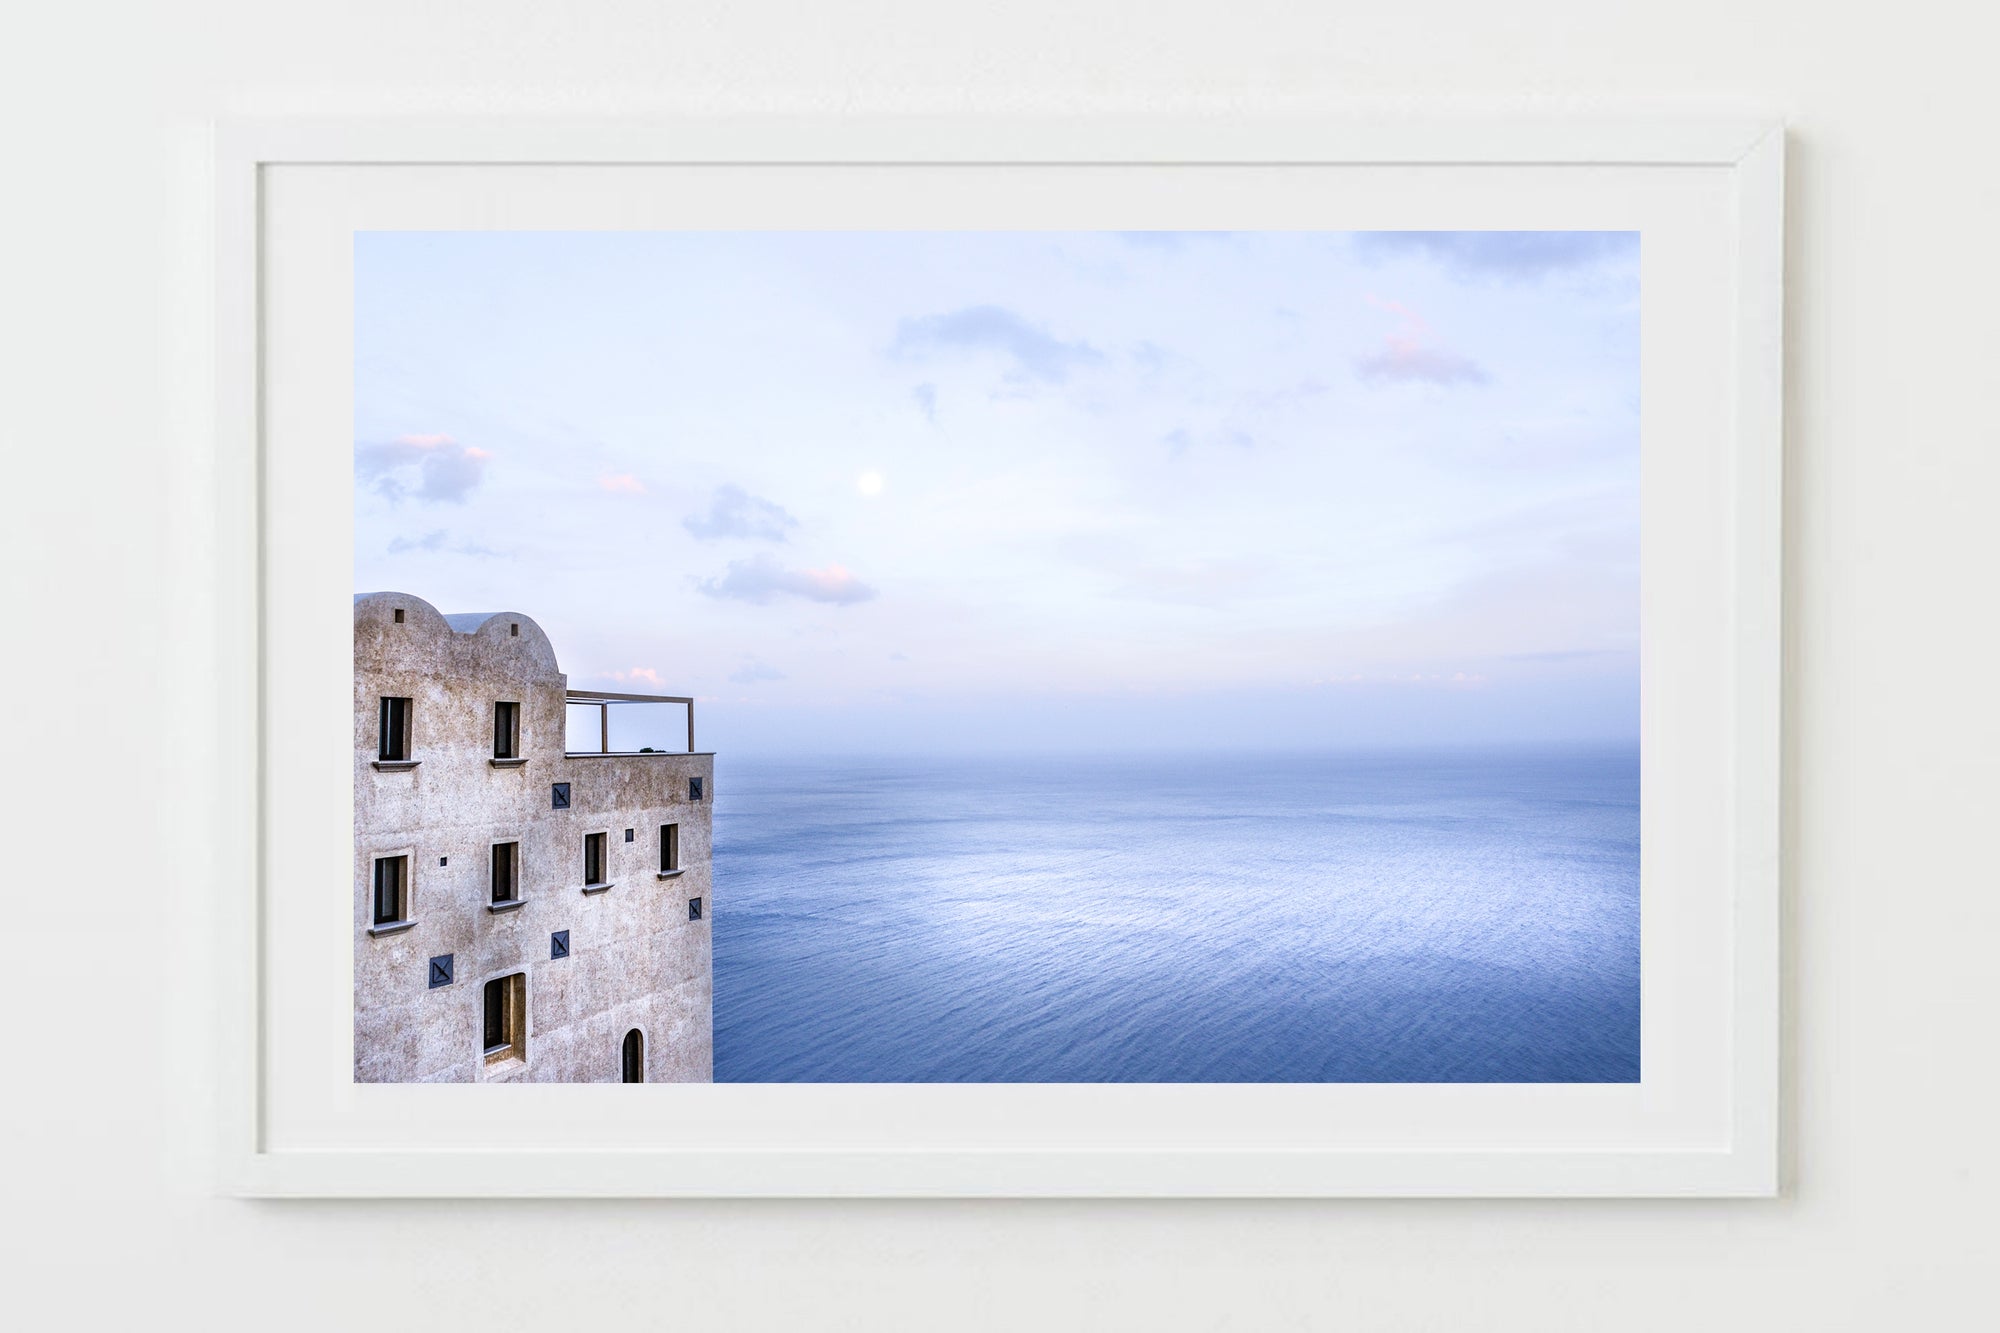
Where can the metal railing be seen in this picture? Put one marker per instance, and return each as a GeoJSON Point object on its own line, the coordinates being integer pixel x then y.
{"type": "Point", "coordinates": [604, 701]}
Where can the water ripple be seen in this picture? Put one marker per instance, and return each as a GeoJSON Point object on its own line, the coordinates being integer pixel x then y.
{"type": "Point", "coordinates": [1416, 917]}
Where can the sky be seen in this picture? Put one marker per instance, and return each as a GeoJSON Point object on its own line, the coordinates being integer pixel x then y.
{"type": "Point", "coordinates": [960, 491]}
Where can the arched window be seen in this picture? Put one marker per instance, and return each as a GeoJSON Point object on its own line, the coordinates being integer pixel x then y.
{"type": "Point", "coordinates": [634, 1061]}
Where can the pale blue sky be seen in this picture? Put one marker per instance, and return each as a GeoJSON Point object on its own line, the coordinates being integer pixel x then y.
{"type": "Point", "coordinates": [1028, 490]}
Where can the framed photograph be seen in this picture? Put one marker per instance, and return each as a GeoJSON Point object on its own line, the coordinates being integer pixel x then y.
{"type": "Point", "coordinates": [1088, 657]}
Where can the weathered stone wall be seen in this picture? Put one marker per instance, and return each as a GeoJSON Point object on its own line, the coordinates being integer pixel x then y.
{"type": "Point", "coordinates": [635, 959]}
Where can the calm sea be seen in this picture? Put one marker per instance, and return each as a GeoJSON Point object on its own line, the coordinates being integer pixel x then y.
{"type": "Point", "coordinates": [1407, 917]}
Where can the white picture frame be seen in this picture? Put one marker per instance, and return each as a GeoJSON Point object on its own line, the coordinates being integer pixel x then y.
{"type": "Point", "coordinates": [1710, 1130]}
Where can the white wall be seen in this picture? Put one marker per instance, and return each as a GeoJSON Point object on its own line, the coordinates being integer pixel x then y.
{"type": "Point", "coordinates": [1892, 895]}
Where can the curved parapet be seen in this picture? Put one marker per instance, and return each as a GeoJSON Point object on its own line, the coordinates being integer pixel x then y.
{"type": "Point", "coordinates": [399, 627]}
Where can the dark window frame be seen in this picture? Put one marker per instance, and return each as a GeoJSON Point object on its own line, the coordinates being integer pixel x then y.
{"type": "Point", "coordinates": [670, 849]}
{"type": "Point", "coordinates": [504, 1017]}
{"type": "Point", "coordinates": [506, 729]}
{"type": "Point", "coordinates": [391, 887]}
{"type": "Point", "coordinates": [392, 734]}
{"type": "Point", "coordinates": [494, 1031]}
{"type": "Point", "coordinates": [505, 881]}
{"type": "Point", "coordinates": [596, 859]}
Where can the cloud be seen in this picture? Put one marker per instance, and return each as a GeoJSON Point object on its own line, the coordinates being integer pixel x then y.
{"type": "Point", "coordinates": [1408, 355]}
{"type": "Point", "coordinates": [435, 541]}
{"type": "Point", "coordinates": [1402, 361]}
{"type": "Point", "coordinates": [441, 468]}
{"type": "Point", "coordinates": [430, 541]}
{"type": "Point", "coordinates": [734, 512]}
{"type": "Point", "coordinates": [926, 396]}
{"type": "Point", "coordinates": [761, 578]}
{"type": "Point", "coordinates": [622, 483]}
{"type": "Point", "coordinates": [1035, 352]}
{"type": "Point", "coordinates": [1521, 256]}
{"type": "Point", "coordinates": [751, 673]}
{"type": "Point", "coordinates": [638, 676]}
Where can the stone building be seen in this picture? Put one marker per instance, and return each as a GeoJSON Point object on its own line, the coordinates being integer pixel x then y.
{"type": "Point", "coordinates": [522, 911]}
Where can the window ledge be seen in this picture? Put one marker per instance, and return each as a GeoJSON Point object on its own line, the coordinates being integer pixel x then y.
{"type": "Point", "coordinates": [508, 763]}
{"type": "Point", "coordinates": [599, 888]}
{"type": "Point", "coordinates": [673, 874]}
{"type": "Point", "coordinates": [390, 927]}
{"type": "Point", "coordinates": [396, 765]}
{"type": "Point", "coordinates": [507, 905]}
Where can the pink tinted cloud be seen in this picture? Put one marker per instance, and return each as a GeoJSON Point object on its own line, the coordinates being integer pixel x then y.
{"type": "Point", "coordinates": [1409, 354]}
{"type": "Point", "coordinates": [431, 468]}
{"type": "Point", "coordinates": [638, 675]}
{"type": "Point", "coordinates": [761, 578]}
{"type": "Point", "coordinates": [835, 583]}
{"type": "Point", "coordinates": [622, 483]}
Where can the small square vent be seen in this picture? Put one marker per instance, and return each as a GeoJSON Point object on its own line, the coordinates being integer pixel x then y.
{"type": "Point", "coordinates": [559, 796]}
{"type": "Point", "coordinates": [559, 944]}
{"type": "Point", "coordinates": [694, 909]}
{"type": "Point", "coordinates": [441, 971]}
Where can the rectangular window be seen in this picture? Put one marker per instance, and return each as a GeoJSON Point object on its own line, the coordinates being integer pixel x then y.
{"type": "Point", "coordinates": [694, 789]}
{"type": "Point", "coordinates": [504, 1018]}
{"type": "Point", "coordinates": [392, 888]}
{"type": "Point", "coordinates": [593, 858]}
{"type": "Point", "coordinates": [670, 848]}
{"type": "Point", "coordinates": [506, 871]}
{"type": "Point", "coordinates": [496, 1015]}
{"type": "Point", "coordinates": [394, 739]}
{"type": "Point", "coordinates": [507, 731]}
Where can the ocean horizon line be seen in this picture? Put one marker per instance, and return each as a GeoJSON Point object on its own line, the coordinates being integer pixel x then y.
{"type": "Point", "coordinates": [1359, 750]}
